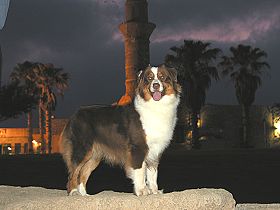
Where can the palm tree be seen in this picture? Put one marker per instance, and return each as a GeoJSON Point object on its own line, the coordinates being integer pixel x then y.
{"type": "Point", "coordinates": [37, 69]}
{"type": "Point", "coordinates": [195, 63]}
{"type": "Point", "coordinates": [24, 75]}
{"type": "Point", "coordinates": [245, 67]}
{"type": "Point", "coordinates": [14, 101]}
{"type": "Point", "coordinates": [49, 80]}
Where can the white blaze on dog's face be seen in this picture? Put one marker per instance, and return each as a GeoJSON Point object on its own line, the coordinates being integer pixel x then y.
{"type": "Point", "coordinates": [156, 82]}
{"type": "Point", "coordinates": [156, 86]}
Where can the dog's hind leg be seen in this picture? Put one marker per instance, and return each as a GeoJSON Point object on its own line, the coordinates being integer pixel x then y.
{"type": "Point", "coordinates": [73, 180]}
{"type": "Point", "coordinates": [85, 172]}
{"type": "Point", "coordinates": [74, 173]}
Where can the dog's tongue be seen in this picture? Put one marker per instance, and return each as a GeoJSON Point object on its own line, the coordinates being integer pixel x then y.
{"type": "Point", "coordinates": [157, 96]}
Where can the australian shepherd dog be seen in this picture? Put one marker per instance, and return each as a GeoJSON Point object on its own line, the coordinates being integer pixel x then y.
{"type": "Point", "coordinates": [133, 136]}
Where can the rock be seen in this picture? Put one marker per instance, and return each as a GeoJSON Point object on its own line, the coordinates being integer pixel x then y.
{"type": "Point", "coordinates": [41, 198]}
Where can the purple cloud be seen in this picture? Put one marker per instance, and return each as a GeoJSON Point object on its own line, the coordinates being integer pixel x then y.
{"type": "Point", "coordinates": [248, 28]}
{"type": "Point", "coordinates": [119, 3]}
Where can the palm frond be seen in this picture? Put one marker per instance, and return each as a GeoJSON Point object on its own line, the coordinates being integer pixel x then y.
{"type": "Point", "coordinates": [194, 61]}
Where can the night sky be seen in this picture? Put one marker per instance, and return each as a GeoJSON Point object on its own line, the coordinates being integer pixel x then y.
{"type": "Point", "coordinates": [82, 37]}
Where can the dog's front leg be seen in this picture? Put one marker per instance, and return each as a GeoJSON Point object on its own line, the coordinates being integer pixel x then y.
{"type": "Point", "coordinates": [152, 174]}
{"type": "Point", "coordinates": [139, 180]}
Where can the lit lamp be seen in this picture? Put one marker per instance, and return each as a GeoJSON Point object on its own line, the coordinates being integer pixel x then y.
{"type": "Point", "coordinates": [9, 150]}
{"type": "Point", "coordinates": [199, 123]}
{"type": "Point", "coordinates": [35, 145]}
{"type": "Point", "coordinates": [277, 128]}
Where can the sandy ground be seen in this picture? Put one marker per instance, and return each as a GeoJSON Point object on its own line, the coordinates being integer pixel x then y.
{"type": "Point", "coordinates": [40, 198]}
{"type": "Point", "coordinates": [45, 199]}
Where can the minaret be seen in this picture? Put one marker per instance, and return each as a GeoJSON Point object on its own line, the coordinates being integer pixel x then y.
{"type": "Point", "coordinates": [136, 31]}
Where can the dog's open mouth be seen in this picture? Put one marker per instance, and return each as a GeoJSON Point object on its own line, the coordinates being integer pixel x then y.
{"type": "Point", "coordinates": [156, 95]}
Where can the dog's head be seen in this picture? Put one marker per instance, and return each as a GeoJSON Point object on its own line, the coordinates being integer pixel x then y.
{"type": "Point", "coordinates": [156, 82]}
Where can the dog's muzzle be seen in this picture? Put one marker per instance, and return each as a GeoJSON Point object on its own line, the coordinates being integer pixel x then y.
{"type": "Point", "coordinates": [156, 90]}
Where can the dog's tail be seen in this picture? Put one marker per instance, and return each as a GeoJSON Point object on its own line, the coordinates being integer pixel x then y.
{"type": "Point", "coordinates": [65, 147]}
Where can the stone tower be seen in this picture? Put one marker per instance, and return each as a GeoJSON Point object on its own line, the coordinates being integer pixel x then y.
{"type": "Point", "coordinates": [136, 31]}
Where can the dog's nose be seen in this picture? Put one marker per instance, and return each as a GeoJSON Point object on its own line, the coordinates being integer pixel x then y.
{"type": "Point", "coordinates": [156, 86]}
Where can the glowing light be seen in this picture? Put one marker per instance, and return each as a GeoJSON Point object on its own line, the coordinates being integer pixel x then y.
{"type": "Point", "coordinates": [189, 134]}
{"type": "Point", "coordinates": [277, 126]}
{"type": "Point", "coordinates": [9, 148]}
{"type": "Point", "coordinates": [199, 123]}
{"type": "Point", "coordinates": [35, 142]}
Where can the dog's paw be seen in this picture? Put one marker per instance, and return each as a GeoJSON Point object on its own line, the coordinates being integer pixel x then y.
{"type": "Point", "coordinates": [78, 192]}
{"type": "Point", "coordinates": [156, 192]}
{"type": "Point", "coordinates": [143, 191]}
{"type": "Point", "coordinates": [82, 189]}
{"type": "Point", "coordinates": [154, 189]}
{"type": "Point", "coordinates": [74, 192]}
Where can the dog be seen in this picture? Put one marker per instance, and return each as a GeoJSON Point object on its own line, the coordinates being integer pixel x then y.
{"type": "Point", "coordinates": [133, 136]}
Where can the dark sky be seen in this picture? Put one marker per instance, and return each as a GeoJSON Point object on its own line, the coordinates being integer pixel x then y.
{"type": "Point", "coordinates": [82, 37]}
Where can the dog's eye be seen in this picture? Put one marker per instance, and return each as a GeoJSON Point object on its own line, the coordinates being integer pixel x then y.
{"type": "Point", "coordinates": [162, 78]}
{"type": "Point", "coordinates": [150, 78]}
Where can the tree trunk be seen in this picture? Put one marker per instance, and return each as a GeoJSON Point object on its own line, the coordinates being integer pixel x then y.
{"type": "Point", "coordinates": [195, 132]}
{"type": "Point", "coordinates": [30, 132]}
{"type": "Point", "coordinates": [245, 127]}
{"type": "Point", "coordinates": [49, 130]}
{"type": "Point", "coordinates": [41, 129]}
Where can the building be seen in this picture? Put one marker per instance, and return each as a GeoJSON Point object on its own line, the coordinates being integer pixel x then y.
{"type": "Point", "coordinates": [15, 140]}
{"type": "Point", "coordinates": [221, 127]}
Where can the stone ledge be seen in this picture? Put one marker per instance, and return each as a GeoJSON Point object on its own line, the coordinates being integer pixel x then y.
{"type": "Point", "coordinates": [256, 206]}
{"type": "Point", "coordinates": [41, 198]}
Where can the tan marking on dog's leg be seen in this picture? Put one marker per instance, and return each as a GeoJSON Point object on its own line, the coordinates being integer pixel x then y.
{"type": "Point", "coordinates": [85, 172]}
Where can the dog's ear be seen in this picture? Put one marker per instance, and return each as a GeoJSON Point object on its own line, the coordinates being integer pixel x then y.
{"type": "Point", "coordinates": [139, 73]}
{"type": "Point", "coordinates": [139, 76]}
{"type": "Point", "coordinates": [139, 83]}
{"type": "Point", "coordinates": [173, 74]}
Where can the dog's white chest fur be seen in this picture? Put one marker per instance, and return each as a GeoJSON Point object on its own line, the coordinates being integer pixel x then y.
{"type": "Point", "coordinates": [158, 120]}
